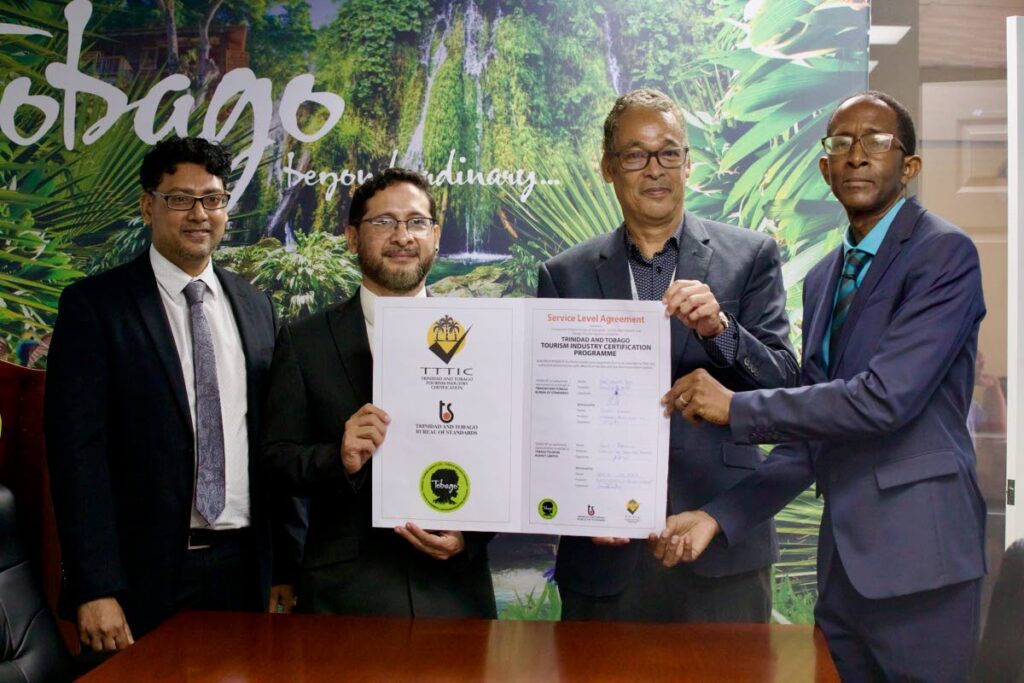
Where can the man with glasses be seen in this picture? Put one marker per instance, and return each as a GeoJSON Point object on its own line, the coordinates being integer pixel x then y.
{"type": "Point", "coordinates": [880, 426]}
{"type": "Point", "coordinates": [723, 288]}
{"type": "Point", "coordinates": [322, 431]}
{"type": "Point", "coordinates": [155, 383]}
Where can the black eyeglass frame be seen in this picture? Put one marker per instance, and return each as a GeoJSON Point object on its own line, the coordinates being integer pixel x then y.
{"type": "Point", "coordinates": [657, 155]}
{"type": "Point", "coordinates": [226, 198]}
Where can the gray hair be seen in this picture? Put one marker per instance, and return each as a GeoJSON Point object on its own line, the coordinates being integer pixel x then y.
{"type": "Point", "coordinates": [643, 98]}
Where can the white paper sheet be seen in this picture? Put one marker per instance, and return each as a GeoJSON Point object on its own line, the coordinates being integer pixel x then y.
{"type": "Point", "coordinates": [531, 415]}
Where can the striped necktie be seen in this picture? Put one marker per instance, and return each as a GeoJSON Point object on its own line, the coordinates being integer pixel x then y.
{"type": "Point", "coordinates": [856, 261]}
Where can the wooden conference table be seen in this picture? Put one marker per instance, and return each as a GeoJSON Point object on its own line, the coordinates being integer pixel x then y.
{"type": "Point", "coordinates": [211, 646]}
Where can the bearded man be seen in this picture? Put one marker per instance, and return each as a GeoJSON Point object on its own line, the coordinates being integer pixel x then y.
{"type": "Point", "coordinates": [322, 431]}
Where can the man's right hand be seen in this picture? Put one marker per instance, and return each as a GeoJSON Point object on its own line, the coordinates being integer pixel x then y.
{"type": "Point", "coordinates": [685, 537]}
{"type": "Point", "coordinates": [102, 625]}
{"type": "Point", "coordinates": [364, 433]}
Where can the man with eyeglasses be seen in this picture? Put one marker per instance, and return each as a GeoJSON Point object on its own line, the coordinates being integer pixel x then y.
{"type": "Point", "coordinates": [880, 426]}
{"type": "Point", "coordinates": [322, 430]}
{"type": "Point", "coordinates": [155, 382]}
{"type": "Point", "coordinates": [723, 288]}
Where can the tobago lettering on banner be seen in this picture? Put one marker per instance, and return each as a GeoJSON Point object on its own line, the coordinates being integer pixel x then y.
{"type": "Point", "coordinates": [252, 92]}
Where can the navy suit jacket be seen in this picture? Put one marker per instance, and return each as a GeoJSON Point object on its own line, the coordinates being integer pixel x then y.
{"type": "Point", "coordinates": [120, 444]}
{"type": "Point", "coordinates": [742, 268]}
{"type": "Point", "coordinates": [883, 432]}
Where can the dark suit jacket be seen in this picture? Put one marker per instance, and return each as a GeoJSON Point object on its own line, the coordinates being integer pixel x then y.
{"type": "Point", "coordinates": [321, 375]}
{"type": "Point", "coordinates": [120, 443]}
{"type": "Point", "coordinates": [742, 268]}
{"type": "Point", "coordinates": [883, 431]}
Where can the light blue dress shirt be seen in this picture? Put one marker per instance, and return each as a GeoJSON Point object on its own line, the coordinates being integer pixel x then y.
{"type": "Point", "coordinates": [870, 244]}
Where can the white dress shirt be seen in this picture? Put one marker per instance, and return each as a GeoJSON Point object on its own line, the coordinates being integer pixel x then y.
{"type": "Point", "coordinates": [367, 299]}
{"type": "Point", "coordinates": [227, 349]}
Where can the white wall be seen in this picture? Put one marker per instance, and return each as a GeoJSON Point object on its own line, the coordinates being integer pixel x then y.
{"type": "Point", "coordinates": [1015, 270]}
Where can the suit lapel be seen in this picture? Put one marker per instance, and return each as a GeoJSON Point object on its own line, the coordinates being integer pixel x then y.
{"type": "Point", "coordinates": [613, 268]}
{"type": "Point", "coordinates": [694, 261]}
{"type": "Point", "coordinates": [244, 311]}
{"type": "Point", "coordinates": [348, 327]}
{"type": "Point", "coordinates": [154, 317]}
{"type": "Point", "coordinates": [900, 231]}
{"type": "Point", "coordinates": [820, 313]}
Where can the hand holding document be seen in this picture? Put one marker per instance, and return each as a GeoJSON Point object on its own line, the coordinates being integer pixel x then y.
{"type": "Point", "coordinates": [700, 398]}
{"type": "Point", "coordinates": [685, 537]}
{"type": "Point", "coordinates": [538, 416]}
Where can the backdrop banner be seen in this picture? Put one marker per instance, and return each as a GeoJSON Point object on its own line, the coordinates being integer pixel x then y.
{"type": "Point", "coordinates": [499, 102]}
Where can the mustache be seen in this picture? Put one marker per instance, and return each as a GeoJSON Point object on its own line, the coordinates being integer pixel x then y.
{"type": "Point", "coordinates": [401, 252]}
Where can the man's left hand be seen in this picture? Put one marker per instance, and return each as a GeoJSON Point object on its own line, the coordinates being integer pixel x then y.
{"type": "Point", "coordinates": [440, 545]}
{"type": "Point", "coordinates": [699, 397]}
{"type": "Point", "coordinates": [693, 303]}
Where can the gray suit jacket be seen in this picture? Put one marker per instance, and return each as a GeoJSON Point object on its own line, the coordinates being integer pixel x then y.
{"type": "Point", "coordinates": [322, 373]}
{"type": "Point", "coordinates": [742, 268]}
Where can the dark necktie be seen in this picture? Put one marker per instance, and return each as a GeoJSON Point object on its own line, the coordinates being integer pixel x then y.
{"type": "Point", "coordinates": [209, 425]}
{"type": "Point", "coordinates": [856, 261]}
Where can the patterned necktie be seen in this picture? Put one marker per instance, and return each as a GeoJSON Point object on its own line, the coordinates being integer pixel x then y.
{"type": "Point", "coordinates": [209, 425]}
{"type": "Point", "coordinates": [856, 261]}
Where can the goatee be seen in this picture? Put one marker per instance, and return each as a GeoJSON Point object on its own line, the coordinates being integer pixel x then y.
{"type": "Point", "coordinates": [399, 280]}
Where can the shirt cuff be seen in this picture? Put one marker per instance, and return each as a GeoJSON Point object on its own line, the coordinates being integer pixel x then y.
{"type": "Point", "coordinates": [722, 348]}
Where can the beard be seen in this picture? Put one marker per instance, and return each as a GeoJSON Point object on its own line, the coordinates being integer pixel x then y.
{"type": "Point", "coordinates": [395, 279]}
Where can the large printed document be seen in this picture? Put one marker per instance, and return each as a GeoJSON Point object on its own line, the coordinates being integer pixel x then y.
{"type": "Point", "coordinates": [522, 415]}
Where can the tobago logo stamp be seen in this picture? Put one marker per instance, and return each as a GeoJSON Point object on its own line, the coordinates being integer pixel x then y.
{"type": "Point", "coordinates": [444, 486]}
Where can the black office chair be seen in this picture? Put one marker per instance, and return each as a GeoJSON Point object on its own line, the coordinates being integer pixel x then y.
{"type": "Point", "coordinates": [31, 650]}
{"type": "Point", "coordinates": [1001, 653]}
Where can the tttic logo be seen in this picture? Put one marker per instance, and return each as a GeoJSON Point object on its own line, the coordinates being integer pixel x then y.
{"type": "Point", "coordinates": [446, 338]}
{"type": "Point", "coordinates": [444, 411]}
{"type": "Point", "coordinates": [632, 506]}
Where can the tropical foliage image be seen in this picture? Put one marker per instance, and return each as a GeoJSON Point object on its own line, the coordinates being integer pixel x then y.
{"type": "Point", "coordinates": [501, 102]}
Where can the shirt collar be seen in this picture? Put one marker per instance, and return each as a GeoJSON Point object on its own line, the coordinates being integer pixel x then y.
{"type": "Point", "coordinates": [873, 240]}
{"type": "Point", "coordinates": [675, 240]}
{"type": "Point", "coordinates": [368, 298]}
{"type": "Point", "coordinates": [173, 279]}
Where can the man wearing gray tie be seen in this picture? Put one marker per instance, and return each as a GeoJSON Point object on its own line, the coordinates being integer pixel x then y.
{"type": "Point", "coordinates": [156, 377]}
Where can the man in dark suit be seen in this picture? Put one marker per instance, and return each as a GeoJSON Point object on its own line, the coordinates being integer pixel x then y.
{"type": "Point", "coordinates": [322, 430]}
{"type": "Point", "coordinates": [880, 425]}
{"type": "Point", "coordinates": [723, 287]}
{"type": "Point", "coordinates": [155, 381]}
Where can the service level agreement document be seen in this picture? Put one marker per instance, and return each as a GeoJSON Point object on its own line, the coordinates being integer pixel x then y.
{"type": "Point", "coordinates": [522, 415]}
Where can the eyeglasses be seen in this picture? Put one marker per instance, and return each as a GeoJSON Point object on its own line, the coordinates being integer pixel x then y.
{"type": "Point", "coordinates": [185, 202]}
{"type": "Point", "coordinates": [872, 143]}
{"type": "Point", "coordinates": [637, 159]}
{"type": "Point", "coordinates": [419, 226]}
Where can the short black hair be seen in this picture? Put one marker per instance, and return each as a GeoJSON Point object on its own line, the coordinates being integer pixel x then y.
{"type": "Point", "coordinates": [391, 176]}
{"type": "Point", "coordinates": [642, 98]}
{"type": "Point", "coordinates": [167, 154]}
{"type": "Point", "coordinates": [905, 130]}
